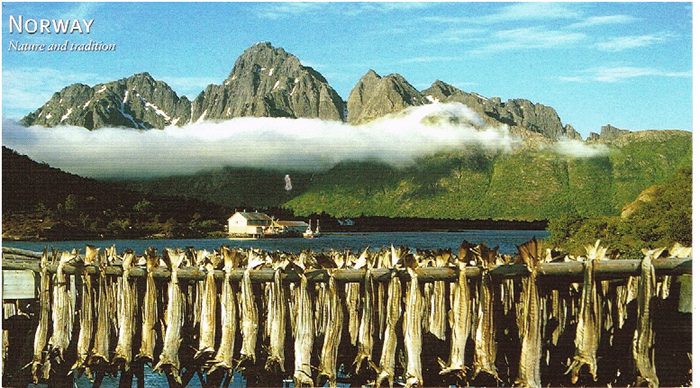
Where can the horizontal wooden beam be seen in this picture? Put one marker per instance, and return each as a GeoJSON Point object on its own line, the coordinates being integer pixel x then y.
{"type": "Point", "coordinates": [570, 271]}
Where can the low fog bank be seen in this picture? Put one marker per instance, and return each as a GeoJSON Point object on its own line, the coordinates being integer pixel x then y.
{"type": "Point", "coordinates": [268, 143]}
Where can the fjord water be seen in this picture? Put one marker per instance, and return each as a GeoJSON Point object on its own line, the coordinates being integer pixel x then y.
{"type": "Point", "coordinates": [506, 240]}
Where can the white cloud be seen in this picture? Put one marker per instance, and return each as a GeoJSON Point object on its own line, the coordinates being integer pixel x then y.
{"type": "Point", "coordinates": [622, 43]}
{"type": "Point", "coordinates": [428, 59]}
{"type": "Point", "coordinates": [460, 35]}
{"type": "Point", "coordinates": [281, 10]}
{"type": "Point", "coordinates": [603, 20]}
{"type": "Point", "coordinates": [578, 149]}
{"type": "Point", "coordinates": [531, 11]}
{"type": "Point", "coordinates": [278, 143]}
{"type": "Point", "coordinates": [620, 73]}
{"type": "Point", "coordinates": [84, 10]}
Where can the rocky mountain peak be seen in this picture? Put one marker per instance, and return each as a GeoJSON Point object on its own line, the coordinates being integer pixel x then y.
{"type": "Point", "coordinates": [517, 113]}
{"type": "Point", "coordinates": [138, 101]}
{"type": "Point", "coordinates": [269, 82]}
{"type": "Point", "coordinates": [375, 96]}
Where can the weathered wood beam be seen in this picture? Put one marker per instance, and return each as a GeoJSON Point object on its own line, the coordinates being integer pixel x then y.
{"type": "Point", "coordinates": [608, 269]}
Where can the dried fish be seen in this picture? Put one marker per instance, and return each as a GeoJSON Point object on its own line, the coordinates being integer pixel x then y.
{"type": "Point", "coordinates": [169, 357]}
{"type": "Point", "coordinates": [86, 317]}
{"type": "Point", "coordinates": [461, 316]}
{"type": "Point", "coordinates": [207, 301]}
{"type": "Point", "coordinates": [366, 331]}
{"type": "Point", "coordinates": [438, 307]}
{"type": "Point", "coordinates": [249, 310]}
{"type": "Point", "coordinates": [387, 362]}
{"type": "Point", "coordinates": [224, 356]}
{"type": "Point", "coordinates": [485, 338]}
{"type": "Point", "coordinates": [331, 339]}
{"type": "Point", "coordinates": [643, 341]}
{"type": "Point", "coordinates": [383, 261]}
{"type": "Point", "coordinates": [304, 333]}
{"type": "Point", "coordinates": [589, 318]}
{"type": "Point", "coordinates": [39, 359]}
{"type": "Point", "coordinates": [352, 301]}
{"type": "Point", "coordinates": [63, 309]}
{"type": "Point", "coordinates": [277, 318]}
{"type": "Point", "coordinates": [100, 350]}
{"type": "Point", "coordinates": [149, 309]}
{"type": "Point", "coordinates": [532, 316]}
{"type": "Point", "coordinates": [127, 314]}
{"type": "Point", "coordinates": [413, 336]}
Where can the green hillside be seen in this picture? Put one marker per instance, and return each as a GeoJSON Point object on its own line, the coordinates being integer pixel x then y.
{"type": "Point", "coordinates": [476, 184]}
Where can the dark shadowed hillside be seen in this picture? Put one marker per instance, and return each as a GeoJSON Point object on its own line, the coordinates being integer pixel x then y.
{"type": "Point", "coordinates": [39, 201]}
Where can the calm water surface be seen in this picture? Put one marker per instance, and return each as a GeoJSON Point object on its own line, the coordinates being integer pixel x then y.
{"type": "Point", "coordinates": [507, 240]}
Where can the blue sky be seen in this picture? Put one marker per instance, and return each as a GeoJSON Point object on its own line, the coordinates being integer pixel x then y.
{"type": "Point", "coordinates": [624, 64]}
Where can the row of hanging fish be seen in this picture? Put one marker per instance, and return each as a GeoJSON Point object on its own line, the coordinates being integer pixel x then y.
{"type": "Point", "coordinates": [282, 326]}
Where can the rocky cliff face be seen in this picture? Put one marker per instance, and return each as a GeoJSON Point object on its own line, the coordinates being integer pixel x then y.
{"type": "Point", "coordinates": [608, 133]}
{"type": "Point", "coordinates": [269, 82]}
{"type": "Point", "coordinates": [376, 96]}
{"type": "Point", "coordinates": [135, 102]}
{"type": "Point", "coordinates": [522, 113]}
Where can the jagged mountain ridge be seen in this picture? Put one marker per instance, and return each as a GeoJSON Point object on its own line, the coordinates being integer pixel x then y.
{"type": "Point", "coordinates": [269, 82]}
{"type": "Point", "coordinates": [135, 102]}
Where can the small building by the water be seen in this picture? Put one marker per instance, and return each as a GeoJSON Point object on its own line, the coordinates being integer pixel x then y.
{"type": "Point", "coordinates": [289, 227]}
{"type": "Point", "coordinates": [248, 223]}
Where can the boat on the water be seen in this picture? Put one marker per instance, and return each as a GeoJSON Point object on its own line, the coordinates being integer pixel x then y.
{"type": "Point", "coordinates": [309, 233]}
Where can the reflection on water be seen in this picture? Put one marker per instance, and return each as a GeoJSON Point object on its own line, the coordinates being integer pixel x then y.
{"type": "Point", "coordinates": [507, 240]}
{"type": "Point", "coordinates": [153, 379]}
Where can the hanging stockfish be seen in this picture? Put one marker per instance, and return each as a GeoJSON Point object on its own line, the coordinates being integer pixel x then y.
{"type": "Point", "coordinates": [559, 300]}
{"type": "Point", "coordinates": [127, 313]}
{"type": "Point", "coordinates": [425, 258]}
{"type": "Point", "coordinates": [643, 341]}
{"type": "Point", "coordinates": [193, 293]}
{"type": "Point", "coordinates": [174, 316]}
{"type": "Point", "coordinates": [224, 356]}
{"type": "Point", "coordinates": [685, 303]}
{"type": "Point", "coordinates": [207, 301]}
{"type": "Point", "coordinates": [413, 335]}
{"type": "Point", "coordinates": [63, 308]}
{"type": "Point", "coordinates": [304, 333]}
{"type": "Point", "coordinates": [621, 301]}
{"type": "Point", "coordinates": [352, 301]}
{"type": "Point", "coordinates": [277, 316]}
{"type": "Point", "coordinates": [531, 311]}
{"type": "Point", "coordinates": [485, 338]}
{"type": "Point", "coordinates": [112, 292]}
{"type": "Point", "coordinates": [321, 296]}
{"type": "Point", "coordinates": [438, 307]}
{"type": "Point", "coordinates": [100, 350]}
{"type": "Point", "coordinates": [387, 362]}
{"type": "Point", "coordinates": [39, 359]}
{"type": "Point", "coordinates": [86, 316]}
{"type": "Point", "coordinates": [249, 310]}
{"type": "Point", "coordinates": [331, 339]}
{"type": "Point", "coordinates": [366, 331]}
{"type": "Point", "coordinates": [507, 288]}
{"type": "Point", "coordinates": [460, 316]}
{"type": "Point", "coordinates": [589, 318]}
{"type": "Point", "coordinates": [383, 261]}
{"type": "Point", "coordinates": [149, 315]}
